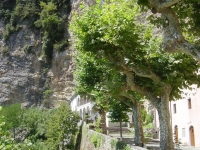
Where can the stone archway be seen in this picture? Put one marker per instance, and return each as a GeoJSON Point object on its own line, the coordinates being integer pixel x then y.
{"type": "Point", "coordinates": [191, 133]}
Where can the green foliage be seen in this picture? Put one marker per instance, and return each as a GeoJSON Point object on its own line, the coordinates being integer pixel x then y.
{"type": "Point", "coordinates": [149, 118]}
{"type": "Point", "coordinates": [12, 116]}
{"type": "Point", "coordinates": [6, 6]}
{"type": "Point", "coordinates": [42, 14]}
{"type": "Point", "coordinates": [97, 125]}
{"type": "Point", "coordinates": [146, 118]}
{"type": "Point", "coordinates": [110, 33]}
{"type": "Point", "coordinates": [62, 3]}
{"type": "Point", "coordinates": [53, 28]}
{"type": "Point", "coordinates": [5, 51]}
{"type": "Point", "coordinates": [120, 145]}
{"type": "Point", "coordinates": [113, 143]}
{"type": "Point", "coordinates": [96, 140]}
{"type": "Point", "coordinates": [47, 93]}
{"type": "Point", "coordinates": [34, 122]}
{"type": "Point", "coordinates": [39, 126]}
{"type": "Point", "coordinates": [9, 30]}
{"type": "Point", "coordinates": [27, 49]}
{"type": "Point", "coordinates": [60, 46]}
{"type": "Point", "coordinates": [61, 128]}
{"type": "Point", "coordinates": [118, 111]}
{"type": "Point", "coordinates": [6, 140]}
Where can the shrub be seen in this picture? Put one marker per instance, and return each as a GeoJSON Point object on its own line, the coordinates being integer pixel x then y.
{"type": "Point", "coordinates": [5, 51]}
{"type": "Point", "coordinates": [47, 93]}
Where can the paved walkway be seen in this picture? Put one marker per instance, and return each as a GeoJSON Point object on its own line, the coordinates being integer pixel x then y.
{"type": "Point", "coordinates": [151, 145]}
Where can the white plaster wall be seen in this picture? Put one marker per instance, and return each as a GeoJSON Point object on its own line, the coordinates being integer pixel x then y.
{"type": "Point", "coordinates": [74, 103]}
{"type": "Point", "coordinates": [185, 118]}
{"type": "Point", "coordinates": [81, 108]}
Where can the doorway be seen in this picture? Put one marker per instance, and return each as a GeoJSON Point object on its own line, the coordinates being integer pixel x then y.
{"type": "Point", "coordinates": [192, 140]}
{"type": "Point", "coordinates": [176, 134]}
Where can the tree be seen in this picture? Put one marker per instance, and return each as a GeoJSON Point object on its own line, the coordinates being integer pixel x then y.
{"type": "Point", "coordinates": [52, 26]}
{"type": "Point", "coordinates": [61, 128]}
{"type": "Point", "coordinates": [113, 32]}
{"type": "Point", "coordinates": [6, 140]}
{"type": "Point", "coordinates": [12, 116]}
{"type": "Point", "coordinates": [34, 122]}
{"type": "Point", "coordinates": [118, 113]}
{"type": "Point", "coordinates": [180, 22]}
{"type": "Point", "coordinates": [97, 78]}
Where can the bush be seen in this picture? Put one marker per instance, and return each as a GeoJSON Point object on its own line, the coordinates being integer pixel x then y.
{"type": "Point", "coordinates": [47, 93]}
{"type": "Point", "coordinates": [53, 28]}
{"type": "Point", "coordinates": [27, 49]}
{"type": "Point", "coordinates": [60, 46]}
{"type": "Point", "coordinates": [5, 51]}
{"type": "Point", "coordinates": [149, 118]}
{"type": "Point", "coordinates": [10, 29]}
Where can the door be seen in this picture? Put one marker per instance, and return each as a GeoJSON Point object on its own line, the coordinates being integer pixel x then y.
{"type": "Point", "coordinates": [176, 133]}
{"type": "Point", "coordinates": [192, 140]}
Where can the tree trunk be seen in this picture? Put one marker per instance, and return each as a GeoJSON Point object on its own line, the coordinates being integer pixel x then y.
{"type": "Point", "coordinates": [162, 106]}
{"type": "Point", "coordinates": [104, 127]}
{"type": "Point", "coordinates": [138, 125]}
{"type": "Point", "coordinates": [120, 129]}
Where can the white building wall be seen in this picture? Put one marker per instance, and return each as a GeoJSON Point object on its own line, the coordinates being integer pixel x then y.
{"type": "Point", "coordinates": [184, 117]}
{"type": "Point", "coordinates": [82, 105]}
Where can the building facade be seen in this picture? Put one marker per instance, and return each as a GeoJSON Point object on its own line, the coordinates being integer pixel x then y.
{"type": "Point", "coordinates": [83, 105]}
{"type": "Point", "coordinates": [185, 117]}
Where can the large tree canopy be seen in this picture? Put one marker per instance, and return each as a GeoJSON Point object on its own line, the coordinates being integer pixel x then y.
{"type": "Point", "coordinates": [179, 21]}
{"type": "Point", "coordinates": [114, 33]}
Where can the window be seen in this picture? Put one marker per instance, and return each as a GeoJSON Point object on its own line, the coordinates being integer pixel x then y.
{"type": "Point", "coordinates": [183, 132]}
{"type": "Point", "coordinates": [189, 104]}
{"type": "Point", "coordinates": [174, 108]}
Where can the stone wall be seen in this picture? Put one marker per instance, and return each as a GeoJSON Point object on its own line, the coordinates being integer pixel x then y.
{"type": "Point", "coordinates": [92, 140]}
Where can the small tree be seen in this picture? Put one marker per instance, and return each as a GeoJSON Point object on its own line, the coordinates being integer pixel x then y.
{"type": "Point", "coordinates": [118, 113]}
{"type": "Point", "coordinates": [34, 122]}
{"type": "Point", "coordinates": [61, 128]}
{"type": "Point", "coordinates": [6, 140]}
{"type": "Point", "coordinates": [12, 116]}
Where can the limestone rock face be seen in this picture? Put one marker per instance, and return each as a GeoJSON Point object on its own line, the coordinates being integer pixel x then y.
{"type": "Point", "coordinates": [19, 70]}
{"type": "Point", "coordinates": [24, 76]}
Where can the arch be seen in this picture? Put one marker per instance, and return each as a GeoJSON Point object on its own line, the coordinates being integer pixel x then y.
{"type": "Point", "coordinates": [191, 133]}
{"type": "Point", "coordinates": [176, 134]}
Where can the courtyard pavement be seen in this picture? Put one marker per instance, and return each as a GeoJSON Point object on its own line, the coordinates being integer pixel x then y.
{"type": "Point", "coordinates": [152, 144]}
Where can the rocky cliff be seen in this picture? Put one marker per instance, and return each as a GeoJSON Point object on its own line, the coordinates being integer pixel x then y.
{"type": "Point", "coordinates": [25, 77]}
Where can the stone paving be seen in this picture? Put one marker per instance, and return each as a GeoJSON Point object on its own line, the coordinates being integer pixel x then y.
{"type": "Point", "coordinates": [151, 145]}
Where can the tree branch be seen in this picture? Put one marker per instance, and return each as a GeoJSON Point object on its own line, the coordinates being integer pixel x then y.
{"type": "Point", "coordinates": [159, 4]}
{"type": "Point", "coordinates": [141, 72]}
{"type": "Point", "coordinates": [168, 3]}
{"type": "Point", "coordinates": [173, 39]}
